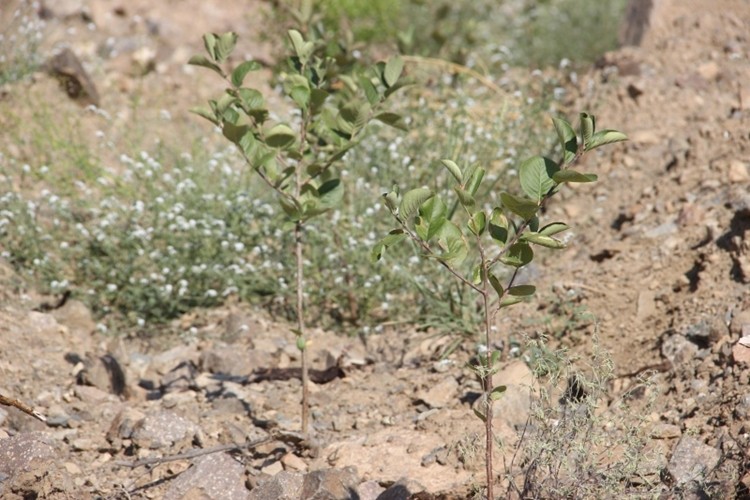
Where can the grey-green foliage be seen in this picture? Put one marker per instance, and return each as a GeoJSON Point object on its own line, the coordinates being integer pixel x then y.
{"type": "Point", "coordinates": [334, 111]}
{"type": "Point", "coordinates": [296, 157]}
{"type": "Point", "coordinates": [478, 240]}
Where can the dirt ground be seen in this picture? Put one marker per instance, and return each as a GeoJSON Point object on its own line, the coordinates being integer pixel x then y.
{"type": "Point", "coordinates": [661, 260]}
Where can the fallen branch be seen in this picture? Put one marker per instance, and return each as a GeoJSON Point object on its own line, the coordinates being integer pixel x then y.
{"type": "Point", "coordinates": [23, 407]}
{"type": "Point", "coordinates": [190, 454]}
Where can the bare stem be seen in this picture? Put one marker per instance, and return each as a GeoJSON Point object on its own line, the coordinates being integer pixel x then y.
{"type": "Point", "coordinates": [488, 386]}
{"type": "Point", "coordinates": [301, 324]}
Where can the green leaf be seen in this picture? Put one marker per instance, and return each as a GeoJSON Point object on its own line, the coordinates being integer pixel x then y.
{"type": "Point", "coordinates": [394, 237]}
{"type": "Point", "coordinates": [496, 285]}
{"type": "Point", "coordinates": [476, 275]}
{"type": "Point", "coordinates": [452, 241]}
{"type": "Point", "coordinates": [573, 176]}
{"type": "Point", "coordinates": [542, 240]}
{"type": "Point", "coordinates": [412, 200]}
{"type": "Point", "coordinates": [523, 207]}
{"type": "Point", "coordinates": [371, 93]}
{"type": "Point", "coordinates": [401, 83]}
{"type": "Point", "coordinates": [498, 225]}
{"type": "Point", "coordinates": [475, 181]}
{"type": "Point", "coordinates": [433, 209]}
{"type": "Point", "coordinates": [205, 113]}
{"type": "Point", "coordinates": [479, 414]}
{"type": "Point", "coordinates": [391, 201]}
{"type": "Point", "coordinates": [605, 137]}
{"type": "Point", "coordinates": [588, 127]}
{"type": "Point", "coordinates": [298, 43]}
{"type": "Point", "coordinates": [206, 63]}
{"type": "Point", "coordinates": [393, 119]}
{"type": "Point", "coordinates": [301, 96]}
{"type": "Point", "coordinates": [225, 45]}
{"type": "Point", "coordinates": [536, 177]}
{"type": "Point", "coordinates": [554, 228]}
{"type": "Point", "coordinates": [250, 99]}
{"type": "Point", "coordinates": [209, 41]}
{"type": "Point", "coordinates": [433, 215]}
{"type": "Point", "coordinates": [301, 343]}
{"type": "Point", "coordinates": [518, 255]}
{"type": "Point", "coordinates": [392, 71]}
{"type": "Point", "coordinates": [497, 392]}
{"type": "Point", "coordinates": [452, 168]}
{"type": "Point", "coordinates": [465, 198]}
{"type": "Point", "coordinates": [509, 301]}
{"type": "Point", "coordinates": [317, 99]}
{"type": "Point", "coordinates": [567, 137]}
{"type": "Point", "coordinates": [234, 133]}
{"type": "Point", "coordinates": [239, 73]}
{"type": "Point", "coordinates": [290, 207]}
{"type": "Point", "coordinates": [477, 223]}
{"type": "Point", "coordinates": [522, 290]}
{"type": "Point", "coordinates": [331, 193]}
{"type": "Point", "coordinates": [280, 136]}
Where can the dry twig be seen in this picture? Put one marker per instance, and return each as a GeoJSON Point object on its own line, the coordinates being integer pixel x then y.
{"type": "Point", "coordinates": [4, 400]}
{"type": "Point", "coordinates": [191, 454]}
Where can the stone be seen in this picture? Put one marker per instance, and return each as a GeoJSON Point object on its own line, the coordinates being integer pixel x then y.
{"type": "Point", "coordinates": [369, 490]}
{"type": "Point", "coordinates": [441, 394]}
{"type": "Point", "coordinates": [740, 323]}
{"type": "Point", "coordinates": [228, 360]}
{"type": "Point", "coordinates": [282, 486]}
{"type": "Point", "coordinates": [665, 431]}
{"type": "Point", "coordinates": [514, 405]}
{"type": "Point", "coordinates": [18, 453]}
{"type": "Point", "coordinates": [678, 350]}
{"type": "Point", "coordinates": [330, 483]}
{"type": "Point", "coordinates": [709, 71]}
{"type": "Point", "coordinates": [403, 489]}
{"type": "Point", "coordinates": [76, 316]}
{"type": "Point", "coordinates": [160, 429]}
{"type": "Point", "coordinates": [738, 171]}
{"type": "Point", "coordinates": [292, 462]}
{"type": "Point", "coordinates": [741, 352]}
{"type": "Point", "coordinates": [180, 378]}
{"type": "Point", "coordinates": [74, 79]}
{"type": "Point", "coordinates": [691, 460]}
{"type": "Point", "coordinates": [216, 476]}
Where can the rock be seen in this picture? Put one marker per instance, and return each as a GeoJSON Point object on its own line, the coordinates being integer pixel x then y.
{"type": "Point", "coordinates": [216, 476]}
{"type": "Point", "coordinates": [738, 171]}
{"type": "Point", "coordinates": [705, 331]}
{"type": "Point", "coordinates": [441, 394]}
{"type": "Point", "coordinates": [180, 378]}
{"type": "Point", "coordinates": [228, 360]}
{"type": "Point", "coordinates": [68, 70]}
{"type": "Point", "coordinates": [124, 424]}
{"type": "Point", "coordinates": [167, 360]}
{"type": "Point", "coordinates": [369, 490]}
{"type": "Point", "coordinates": [741, 351]}
{"type": "Point", "coordinates": [330, 483]}
{"type": "Point", "coordinates": [91, 395]}
{"type": "Point", "coordinates": [282, 486]}
{"type": "Point", "coordinates": [740, 322]}
{"type": "Point", "coordinates": [76, 316]}
{"type": "Point", "coordinates": [161, 429]}
{"type": "Point", "coordinates": [18, 453]}
{"type": "Point", "coordinates": [403, 489]}
{"type": "Point", "coordinates": [691, 460]}
{"type": "Point", "coordinates": [709, 71]}
{"type": "Point", "coordinates": [665, 431]}
{"type": "Point", "coordinates": [678, 350]}
{"type": "Point", "coordinates": [514, 405]}
{"type": "Point", "coordinates": [292, 462]}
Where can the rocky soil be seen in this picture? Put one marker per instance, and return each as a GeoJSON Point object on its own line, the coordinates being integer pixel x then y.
{"type": "Point", "coordinates": [661, 259]}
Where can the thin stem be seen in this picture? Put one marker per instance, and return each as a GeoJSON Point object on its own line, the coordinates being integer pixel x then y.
{"type": "Point", "coordinates": [426, 247]}
{"type": "Point", "coordinates": [301, 324]}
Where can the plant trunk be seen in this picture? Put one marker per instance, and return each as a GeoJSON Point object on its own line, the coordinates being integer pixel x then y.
{"type": "Point", "coordinates": [487, 382]}
{"type": "Point", "coordinates": [301, 325]}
